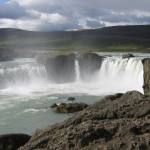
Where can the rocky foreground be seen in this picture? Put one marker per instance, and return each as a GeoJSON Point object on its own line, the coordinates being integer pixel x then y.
{"type": "Point", "coordinates": [118, 122]}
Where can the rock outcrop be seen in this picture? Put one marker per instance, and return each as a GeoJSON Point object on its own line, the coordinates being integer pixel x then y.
{"type": "Point", "coordinates": [118, 122]}
{"type": "Point", "coordinates": [13, 141]}
{"type": "Point", "coordinates": [69, 107]}
{"type": "Point", "coordinates": [127, 56]}
{"type": "Point", "coordinates": [146, 68]}
{"type": "Point", "coordinates": [61, 68]}
{"type": "Point", "coordinates": [89, 64]}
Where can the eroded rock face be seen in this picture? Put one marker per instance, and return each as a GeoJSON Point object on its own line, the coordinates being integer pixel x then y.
{"type": "Point", "coordinates": [146, 68]}
{"type": "Point", "coordinates": [89, 64]}
{"type": "Point", "coordinates": [61, 68]}
{"type": "Point", "coordinates": [13, 141]}
{"type": "Point", "coordinates": [118, 122]}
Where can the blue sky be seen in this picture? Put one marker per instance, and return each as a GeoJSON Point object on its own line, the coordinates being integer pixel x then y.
{"type": "Point", "coordinates": [2, 1]}
{"type": "Point", "coordinates": [50, 15]}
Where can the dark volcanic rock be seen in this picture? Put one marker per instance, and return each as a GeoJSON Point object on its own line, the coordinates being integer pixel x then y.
{"type": "Point", "coordinates": [71, 99]}
{"type": "Point", "coordinates": [70, 107]}
{"type": "Point", "coordinates": [127, 56]}
{"type": "Point", "coordinates": [89, 64]}
{"type": "Point", "coordinates": [7, 54]}
{"type": "Point", "coordinates": [54, 105]}
{"type": "Point", "coordinates": [13, 141]}
{"type": "Point", "coordinates": [146, 67]}
{"type": "Point", "coordinates": [61, 68]}
{"type": "Point", "coordinates": [118, 122]}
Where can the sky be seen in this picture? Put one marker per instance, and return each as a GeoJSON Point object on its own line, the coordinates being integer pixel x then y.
{"type": "Point", "coordinates": [52, 15]}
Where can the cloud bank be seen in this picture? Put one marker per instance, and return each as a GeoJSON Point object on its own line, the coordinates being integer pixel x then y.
{"type": "Point", "coordinates": [50, 15]}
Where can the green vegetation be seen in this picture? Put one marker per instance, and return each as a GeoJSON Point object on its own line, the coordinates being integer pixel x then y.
{"type": "Point", "coordinates": [118, 39]}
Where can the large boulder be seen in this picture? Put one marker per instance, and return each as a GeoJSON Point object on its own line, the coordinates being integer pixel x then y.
{"type": "Point", "coordinates": [118, 122]}
{"type": "Point", "coordinates": [127, 56]}
{"type": "Point", "coordinates": [13, 141]}
{"type": "Point", "coordinates": [146, 68]}
{"type": "Point", "coordinates": [69, 107]}
{"type": "Point", "coordinates": [89, 64]}
{"type": "Point", "coordinates": [61, 68]}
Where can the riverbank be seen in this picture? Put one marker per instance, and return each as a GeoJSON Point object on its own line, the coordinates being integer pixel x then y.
{"type": "Point", "coordinates": [120, 121]}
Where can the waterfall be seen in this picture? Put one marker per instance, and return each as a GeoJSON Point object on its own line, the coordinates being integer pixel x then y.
{"type": "Point", "coordinates": [22, 73]}
{"type": "Point", "coordinates": [121, 75]}
{"type": "Point", "coordinates": [77, 70]}
{"type": "Point", "coordinates": [114, 75]}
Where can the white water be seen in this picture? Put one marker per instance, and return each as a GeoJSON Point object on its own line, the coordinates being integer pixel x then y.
{"type": "Point", "coordinates": [77, 70]}
{"type": "Point", "coordinates": [26, 92]}
{"type": "Point", "coordinates": [26, 76]}
{"type": "Point", "coordinates": [121, 75]}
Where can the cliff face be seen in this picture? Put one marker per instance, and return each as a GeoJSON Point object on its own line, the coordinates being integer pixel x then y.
{"type": "Point", "coordinates": [62, 68]}
{"type": "Point", "coordinates": [146, 68]}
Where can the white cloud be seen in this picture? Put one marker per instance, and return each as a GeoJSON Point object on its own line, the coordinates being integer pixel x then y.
{"type": "Point", "coordinates": [72, 14]}
{"type": "Point", "coordinates": [50, 18]}
{"type": "Point", "coordinates": [22, 24]}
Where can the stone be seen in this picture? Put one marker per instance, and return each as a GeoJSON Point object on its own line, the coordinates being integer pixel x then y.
{"type": "Point", "coordinates": [146, 68]}
{"type": "Point", "coordinates": [71, 99]}
{"type": "Point", "coordinates": [61, 69]}
{"type": "Point", "coordinates": [127, 56]}
{"type": "Point", "coordinates": [54, 105]}
{"type": "Point", "coordinates": [13, 141]}
{"type": "Point", "coordinates": [89, 64]}
{"type": "Point", "coordinates": [115, 123]}
{"type": "Point", "coordinates": [70, 107]}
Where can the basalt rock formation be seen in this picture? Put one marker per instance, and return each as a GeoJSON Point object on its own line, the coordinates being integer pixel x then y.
{"type": "Point", "coordinates": [146, 68]}
{"type": "Point", "coordinates": [13, 141]}
{"type": "Point", "coordinates": [89, 64]}
{"type": "Point", "coordinates": [69, 107]}
{"type": "Point", "coordinates": [127, 56]}
{"type": "Point", "coordinates": [118, 122]}
{"type": "Point", "coordinates": [60, 69]}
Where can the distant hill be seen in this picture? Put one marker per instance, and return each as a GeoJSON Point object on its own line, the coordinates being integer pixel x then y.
{"type": "Point", "coordinates": [117, 38]}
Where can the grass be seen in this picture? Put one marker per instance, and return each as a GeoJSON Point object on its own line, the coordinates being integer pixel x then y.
{"type": "Point", "coordinates": [119, 38]}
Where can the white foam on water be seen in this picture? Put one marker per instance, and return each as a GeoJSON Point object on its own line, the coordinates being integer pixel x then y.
{"type": "Point", "coordinates": [114, 75]}
{"type": "Point", "coordinates": [33, 110]}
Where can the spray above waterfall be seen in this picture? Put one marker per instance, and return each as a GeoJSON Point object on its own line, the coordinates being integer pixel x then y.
{"type": "Point", "coordinates": [104, 76]}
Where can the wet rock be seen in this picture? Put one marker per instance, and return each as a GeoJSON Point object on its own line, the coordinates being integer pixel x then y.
{"type": "Point", "coordinates": [13, 141]}
{"type": "Point", "coordinates": [146, 68]}
{"type": "Point", "coordinates": [127, 56]}
{"type": "Point", "coordinates": [61, 68]}
{"type": "Point", "coordinates": [71, 99]}
{"type": "Point", "coordinates": [70, 107]}
{"type": "Point", "coordinates": [89, 64]}
{"type": "Point", "coordinates": [119, 122]}
{"type": "Point", "coordinates": [54, 105]}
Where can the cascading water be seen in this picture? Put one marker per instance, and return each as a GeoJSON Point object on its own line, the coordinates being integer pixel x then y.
{"type": "Point", "coordinates": [121, 75]}
{"type": "Point", "coordinates": [114, 75]}
{"type": "Point", "coordinates": [26, 89]}
{"type": "Point", "coordinates": [24, 73]}
{"type": "Point", "coordinates": [77, 70]}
